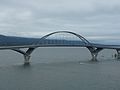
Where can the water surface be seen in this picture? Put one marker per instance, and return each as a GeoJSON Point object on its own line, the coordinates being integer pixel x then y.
{"type": "Point", "coordinates": [59, 69]}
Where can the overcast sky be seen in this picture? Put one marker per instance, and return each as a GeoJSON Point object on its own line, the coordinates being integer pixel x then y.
{"type": "Point", "coordinates": [35, 17]}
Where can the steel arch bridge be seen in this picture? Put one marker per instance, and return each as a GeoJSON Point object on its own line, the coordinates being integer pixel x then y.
{"type": "Point", "coordinates": [54, 39]}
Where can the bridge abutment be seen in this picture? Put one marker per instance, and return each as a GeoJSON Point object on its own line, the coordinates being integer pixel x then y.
{"type": "Point", "coordinates": [94, 52]}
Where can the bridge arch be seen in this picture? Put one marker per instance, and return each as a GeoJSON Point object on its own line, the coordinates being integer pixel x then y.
{"type": "Point", "coordinates": [85, 41]}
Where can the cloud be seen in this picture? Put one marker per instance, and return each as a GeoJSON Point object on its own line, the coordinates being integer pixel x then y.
{"type": "Point", "coordinates": [87, 17]}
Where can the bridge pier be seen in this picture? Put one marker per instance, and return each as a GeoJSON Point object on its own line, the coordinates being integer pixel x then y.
{"type": "Point", "coordinates": [27, 59]}
{"type": "Point", "coordinates": [118, 53]}
{"type": "Point", "coordinates": [94, 52]}
{"type": "Point", "coordinates": [94, 56]}
{"type": "Point", "coordinates": [26, 54]}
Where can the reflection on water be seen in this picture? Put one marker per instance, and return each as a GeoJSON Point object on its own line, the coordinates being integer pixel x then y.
{"type": "Point", "coordinates": [59, 69]}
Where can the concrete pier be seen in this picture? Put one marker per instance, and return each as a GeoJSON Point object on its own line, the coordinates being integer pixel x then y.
{"type": "Point", "coordinates": [27, 59]}
{"type": "Point", "coordinates": [94, 52]}
{"type": "Point", "coordinates": [26, 54]}
{"type": "Point", "coordinates": [94, 56]}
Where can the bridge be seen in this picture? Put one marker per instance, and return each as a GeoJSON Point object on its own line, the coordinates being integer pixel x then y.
{"type": "Point", "coordinates": [55, 39]}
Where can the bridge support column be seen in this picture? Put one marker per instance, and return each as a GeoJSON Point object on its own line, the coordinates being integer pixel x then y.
{"type": "Point", "coordinates": [26, 59]}
{"type": "Point", "coordinates": [94, 56]}
{"type": "Point", "coordinates": [94, 52]}
{"type": "Point", "coordinates": [26, 54]}
{"type": "Point", "coordinates": [118, 53]}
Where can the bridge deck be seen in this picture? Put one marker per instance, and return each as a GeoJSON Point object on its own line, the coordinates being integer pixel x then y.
{"type": "Point", "coordinates": [50, 45]}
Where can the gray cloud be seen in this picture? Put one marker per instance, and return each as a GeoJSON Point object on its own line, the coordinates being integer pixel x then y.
{"type": "Point", "coordinates": [88, 17]}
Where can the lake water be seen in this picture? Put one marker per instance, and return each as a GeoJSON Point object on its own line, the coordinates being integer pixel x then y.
{"type": "Point", "coordinates": [59, 69]}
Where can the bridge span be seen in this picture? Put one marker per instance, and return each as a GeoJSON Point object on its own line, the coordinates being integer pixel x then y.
{"type": "Point", "coordinates": [55, 39]}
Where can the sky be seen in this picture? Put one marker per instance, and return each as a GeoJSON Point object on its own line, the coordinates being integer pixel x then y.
{"type": "Point", "coordinates": [100, 18]}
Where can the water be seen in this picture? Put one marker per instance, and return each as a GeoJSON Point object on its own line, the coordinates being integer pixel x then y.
{"type": "Point", "coordinates": [59, 69]}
